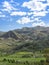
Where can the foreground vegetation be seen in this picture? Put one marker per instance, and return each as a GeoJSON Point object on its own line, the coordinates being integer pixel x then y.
{"type": "Point", "coordinates": [24, 58]}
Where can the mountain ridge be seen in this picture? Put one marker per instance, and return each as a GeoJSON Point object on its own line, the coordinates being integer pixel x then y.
{"type": "Point", "coordinates": [27, 38]}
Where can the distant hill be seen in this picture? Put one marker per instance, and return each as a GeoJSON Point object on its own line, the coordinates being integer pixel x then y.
{"type": "Point", "coordinates": [28, 39]}
{"type": "Point", "coordinates": [1, 33]}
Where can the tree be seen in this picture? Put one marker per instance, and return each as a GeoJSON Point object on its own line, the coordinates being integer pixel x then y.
{"type": "Point", "coordinates": [46, 55]}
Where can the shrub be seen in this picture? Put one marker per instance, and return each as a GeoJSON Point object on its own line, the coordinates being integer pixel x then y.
{"type": "Point", "coordinates": [47, 60]}
{"type": "Point", "coordinates": [4, 59]}
{"type": "Point", "coordinates": [11, 60]}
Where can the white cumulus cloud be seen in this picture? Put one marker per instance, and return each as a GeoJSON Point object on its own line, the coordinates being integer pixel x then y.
{"type": "Point", "coordinates": [18, 13]}
{"type": "Point", "coordinates": [7, 6]}
{"type": "Point", "coordinates": [1, 14]}
{"type": "Point", "coordinates": [41, 13]}
{"type": "Point", "coordinates": [34, 5]}
{"type": "Point", "coordinates": [24, 20]}
{"type": "Point", "coordinates": [37, 7]}
{"type": "Point", "coordinates": [39, 24]}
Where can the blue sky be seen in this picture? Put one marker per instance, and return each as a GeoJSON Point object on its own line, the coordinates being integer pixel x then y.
{"type": "Point", "coordinates": [23, 13]}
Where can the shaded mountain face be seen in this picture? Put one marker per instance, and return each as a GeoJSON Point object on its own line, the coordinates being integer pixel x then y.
{"type": "Point", "coordinates": [9, 34]}
{"type": "Point", "coordinates": [34, 33]}
{"type": "Point", "coordinates": [34, 38]}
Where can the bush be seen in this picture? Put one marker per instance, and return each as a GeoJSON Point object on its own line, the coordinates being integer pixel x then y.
{"type": "Point", "coordinates": [47, 60]}
{"type": "Point", "coordinates": [11, 60]}
{"type": "Point", "coordinates": [4, 59]}
{"type": "Point", "coordinates": [27, 62]}
{"type": "Point", "coordinates": [42, 62]}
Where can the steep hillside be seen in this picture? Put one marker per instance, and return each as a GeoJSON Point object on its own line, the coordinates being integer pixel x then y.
{"type": "Point", "coordinates": [28, 39]}
{"type": "Point", "coordinates": [9, 34]}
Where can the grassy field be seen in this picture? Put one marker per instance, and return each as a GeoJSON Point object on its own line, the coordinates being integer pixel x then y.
{"type": "Point", "coordinates": [20, 58]}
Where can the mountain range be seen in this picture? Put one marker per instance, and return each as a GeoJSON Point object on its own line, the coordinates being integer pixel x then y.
{"type": "Point", "coordinates": [25, 39]}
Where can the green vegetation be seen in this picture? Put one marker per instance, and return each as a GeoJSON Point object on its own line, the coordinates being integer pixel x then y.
{"type": "Point", "coordinates": [21, 58]}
